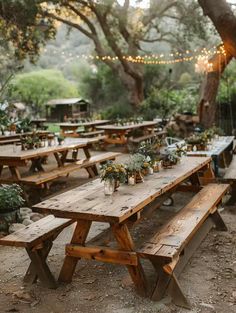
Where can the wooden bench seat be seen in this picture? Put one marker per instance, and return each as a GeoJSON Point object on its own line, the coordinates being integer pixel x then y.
{"type": "Point", "coordinates": [170, 249]}
{"type": "Point", "coordinates": [37, 239]}
{"type": "Point", "coordinates": [230, 177]}
{"type": "Point", "coordinates": [44, 177]}
{"type": "Point", "coordinates": [92, 133]}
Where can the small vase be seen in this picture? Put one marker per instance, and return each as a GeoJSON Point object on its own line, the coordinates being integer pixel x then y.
{"type": "Point", "coordinates": [131, 180]}
{"type": "Point", "coordinates": [139, 177]}
{"type": "Point", "coordinates": [116, 184]}
{"type": "Point", "coordinates": [109, 187]}
{"type": "Point", "coordinates": [157, 166]}
{"type": "Point", "coordinates": [150, 171]}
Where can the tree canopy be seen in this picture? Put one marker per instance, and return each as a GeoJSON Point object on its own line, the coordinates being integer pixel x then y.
{"type": "Point", "coordinates": [36, 88]}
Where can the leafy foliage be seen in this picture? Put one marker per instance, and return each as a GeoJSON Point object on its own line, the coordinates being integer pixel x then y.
{"type": "Point", "coordinates": [37, 87]}
{"type": "Point", "coordinates": [164, 102]}
{"type": "Point", "coordinates": [11, 197]}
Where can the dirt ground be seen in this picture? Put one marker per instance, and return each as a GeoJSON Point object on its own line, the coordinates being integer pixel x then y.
{"type": "Point", "coordinates": [209, 279]}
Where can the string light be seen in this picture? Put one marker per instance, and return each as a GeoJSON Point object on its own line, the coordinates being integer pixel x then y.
{"type": "Point", "coordinates": [201, 57]}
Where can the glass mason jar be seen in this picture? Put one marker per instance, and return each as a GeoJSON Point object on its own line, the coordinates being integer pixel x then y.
{"type": "Point", "coordinates": [109, 187]}
{"type": "Point", "coordinates": [131, 180]}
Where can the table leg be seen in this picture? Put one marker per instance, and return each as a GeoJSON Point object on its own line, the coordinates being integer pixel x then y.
{"type": "Point", "coordinates": [1, 168]}
{"type": "Point", "coordinates": [79, 237]}
{"type": "Point", "coordinates": [94, 171]}
{"type": "Point", "coordinates": [123, 237]}
{"type": "Point", "coordinates": [36, 165]}
{"type": "Point", "coordinates": [15, 172]}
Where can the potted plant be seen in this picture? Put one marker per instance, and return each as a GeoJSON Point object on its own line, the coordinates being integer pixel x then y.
{"type": "Point", "coordinates": [134, 168]}
{"type": "Point", "coordinates": [11, 201]}
{"type": "Point", "coordinates": [112, 174]}
{"type": "Point", "coordinates": [180, 150]}
{"type": "Point", "coordinates": [30, 142]}
{"type": "Point", "coordinates": [197, 142]}
{"type": "Point", "coordinates": [169, 159]}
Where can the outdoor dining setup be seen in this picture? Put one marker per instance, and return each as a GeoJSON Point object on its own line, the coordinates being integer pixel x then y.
{"type": "Point", "coordinates": [127, 192]}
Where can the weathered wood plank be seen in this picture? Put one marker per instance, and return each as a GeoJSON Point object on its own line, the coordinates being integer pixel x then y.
{"type": "Point", "coordinates": [36, 232]}
{"type": "Point", "coordinates": [94, 205]}
{"type": "Point", "coordinates": [178, 232]}
{"type": "Point", "coordinates": [102, 254]}
{"type": "Point", "coordinates": [79, 237]}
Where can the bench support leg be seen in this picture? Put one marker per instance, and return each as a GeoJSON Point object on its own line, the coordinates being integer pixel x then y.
{"type": "Point", "coordinates": [218, 221]}
{"type": "Point", "coordinates": [31, 275]}
{"type": "Point", "coordinates": [177, 294]}
{"type": "Point", "coordinates": [40, 266]}
{"type": "Point", "coordinates": [123, 237]}
{"type": "Point", "coordinates": [79, 237]}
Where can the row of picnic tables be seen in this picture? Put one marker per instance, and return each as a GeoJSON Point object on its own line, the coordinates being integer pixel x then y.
{"type": "Point", "coordinates": [114, 134]}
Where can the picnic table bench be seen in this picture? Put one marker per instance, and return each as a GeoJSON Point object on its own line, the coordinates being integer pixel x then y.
{"type": "Point", "coordinates": [38, 175]}
{"type": "Point", "coordinates": [92, 133]}
{"type": "Point", "coordinates": [37, 239]}
{"type": "Point", "coordinates": [170, 248]}
{"type": "Point", "coordinates": [149, 137]}
{"type": "Point", "coordinates": [71, 129]}
{"type": "Point", "coordinates": [87, 204]}
{"type": "Point", "coordinates": [118, 134]}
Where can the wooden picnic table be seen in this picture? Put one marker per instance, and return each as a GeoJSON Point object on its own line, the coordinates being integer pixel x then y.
{"type": "Point", "coordinates": [13, 157]}
{"type": "Point", "coordinates": [15, 138]}
{"type": "Point", "coordinates": [117, 134]}
{"type": "Point", "coordinates": [87, 204]}
{"type": "Point", "coordinates": [221, 149]}
{"type": "Point", "coordinates": [38, 122]}
{"type": "Point", "coordinates": [70, 129]}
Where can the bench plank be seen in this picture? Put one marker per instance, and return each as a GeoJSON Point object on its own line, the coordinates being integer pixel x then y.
{"type": "Point", "coordinates": [36, 233]}
{"type": "Point", "coordinates": [42, 177]}
{"type": "Point", "coordinates": [178, 232]}
{"type": "Point", "coordinates": [92, 133]}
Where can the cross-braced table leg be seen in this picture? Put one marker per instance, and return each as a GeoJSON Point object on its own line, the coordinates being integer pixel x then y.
{"type": "Point", "coordinates": [39, 268]}
{"type": "Point", "coordinates": [167, 281]}
{"type": "Point", "coordinates": [123, 237]}
{"type": "Point", "coordinates": [79, 237]}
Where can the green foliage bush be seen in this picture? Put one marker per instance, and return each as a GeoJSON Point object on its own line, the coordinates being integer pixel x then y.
{"type": "Point", "coordinates": [10, 197]}
{"type": "Point", "coordinates": [37, 87]}
{"type": "Point", "coordinates": [164, 103]}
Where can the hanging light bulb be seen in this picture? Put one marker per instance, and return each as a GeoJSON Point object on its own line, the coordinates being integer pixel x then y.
{"type": "Point", "coordinates": [203, 65]}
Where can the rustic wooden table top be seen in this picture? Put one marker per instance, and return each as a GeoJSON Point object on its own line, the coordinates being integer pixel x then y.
{"type": "Point", "coordinates": [91, 123]}
{"type": "Point", "coordinates": [18, 135]}
{"type": "Point", "coordinates": [218, 146]}
{"type": "Point", "coordinates": [127, 127]}
{"type": "Point", "coordinates": [15, 153]}
{"type": "Point", "coordinates": [88, 201]}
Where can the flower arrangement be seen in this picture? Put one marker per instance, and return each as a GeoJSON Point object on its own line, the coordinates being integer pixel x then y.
{"type": "Point", "coordinates": [180, 150]}
{"type": "Point", "coordinates": [30, 142]}
{"type": "Point", "coordinates": [113, 171]}
{"type": "Point", "coordinates": [151, 149]}
{"type": "Point", "coordinates": [169, 159]}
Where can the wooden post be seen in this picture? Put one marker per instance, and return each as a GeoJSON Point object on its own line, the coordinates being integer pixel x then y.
{"type": "Point", "coordinates": [125, 242]}
{"type": "Point", "coordinates": [79, 237]}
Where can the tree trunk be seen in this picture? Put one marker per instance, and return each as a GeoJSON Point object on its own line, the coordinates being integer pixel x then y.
{"type": "Point", "coordinates": [207, 108]}
{"type": "Point", "coordinates": [134, 86]}
{"type": "Point", "coordinates": [224, 21]}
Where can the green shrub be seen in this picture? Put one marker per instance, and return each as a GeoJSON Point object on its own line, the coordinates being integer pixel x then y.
{"type": "Point", "coordinates": [10, 197]}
